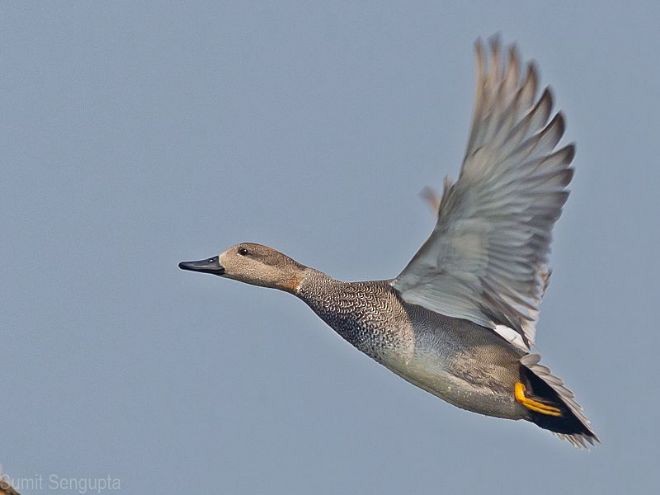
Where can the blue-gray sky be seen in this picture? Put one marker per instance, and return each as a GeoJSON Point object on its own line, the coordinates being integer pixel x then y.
{"type": "Point", "coordinates": [137, 134]}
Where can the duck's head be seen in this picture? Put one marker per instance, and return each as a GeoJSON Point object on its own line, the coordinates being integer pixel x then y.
{"type": "Point", "coordinates": [253, 264]}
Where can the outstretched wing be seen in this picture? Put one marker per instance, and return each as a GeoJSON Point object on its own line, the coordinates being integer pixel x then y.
{"type": "Point", "coordinates": [486, 260]}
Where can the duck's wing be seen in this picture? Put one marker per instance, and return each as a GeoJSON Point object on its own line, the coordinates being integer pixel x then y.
{"type": "Point", "coordinates": [486, 259]}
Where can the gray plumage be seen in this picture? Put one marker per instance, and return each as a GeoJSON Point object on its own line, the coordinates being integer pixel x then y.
{"type": "Point", "coordinates": [459, 321]}
{"type": "Point", "coordinates": [457, 360]}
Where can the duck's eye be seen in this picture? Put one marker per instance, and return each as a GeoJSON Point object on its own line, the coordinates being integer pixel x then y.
{"type": "Point", "coordinates": [243, 251]}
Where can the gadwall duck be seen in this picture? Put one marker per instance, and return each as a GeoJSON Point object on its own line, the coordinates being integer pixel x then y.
{"type": "Point", "coordinates": [459, 321]}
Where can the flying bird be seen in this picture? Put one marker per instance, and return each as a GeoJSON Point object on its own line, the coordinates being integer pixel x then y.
{"type": "Point", "coordinates": [459, 321]}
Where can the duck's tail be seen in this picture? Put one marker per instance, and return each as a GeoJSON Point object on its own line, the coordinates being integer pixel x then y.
{"type": "Point", "coordinates": [569, 423]}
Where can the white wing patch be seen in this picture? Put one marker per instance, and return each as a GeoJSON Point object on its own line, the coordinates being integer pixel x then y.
{"type": "Point", "coordinates": [511, 336]}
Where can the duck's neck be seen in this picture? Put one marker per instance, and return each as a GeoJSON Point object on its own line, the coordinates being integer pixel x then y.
{"type": "Point", "coordinates": [316, 286]}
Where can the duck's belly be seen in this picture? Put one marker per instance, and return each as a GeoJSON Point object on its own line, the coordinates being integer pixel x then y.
{"type": "Point", "coordinates": [491, 400]}
{"type": "Point", "coordinates": [470, 367]}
